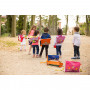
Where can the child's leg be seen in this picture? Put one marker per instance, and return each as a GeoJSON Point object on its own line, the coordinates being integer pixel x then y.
{"type": "Point", "coordinates": [42, 50]}
{"type": "Point", "coordinates": [78, 53]}
{"type": "Point", "coordinates": [60, 50]}
{"type": "Point", "coordinates": [37, 47]}
{"type": "Point", "coordinates": [57, 50]}
{"type": "Point", "coordinates": [30, 49]}
{"type": "Point", "coordinates": [33, 50]}
{"type": "Point", "coordinates": [25, 47]}
{"type": "Point", "coordinates": [46, 50]}
{"type": "Point", "coordinates": [21, 47]}
{"type": "Point", "coordinates": [75, 51]}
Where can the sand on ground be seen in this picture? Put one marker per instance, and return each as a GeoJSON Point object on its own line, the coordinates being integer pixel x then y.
{"type": "Point", "coordinates": [15, 62]}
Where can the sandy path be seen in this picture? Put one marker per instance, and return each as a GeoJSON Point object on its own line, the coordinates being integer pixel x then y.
{"type": "Point", "coordinates": [15, 62]}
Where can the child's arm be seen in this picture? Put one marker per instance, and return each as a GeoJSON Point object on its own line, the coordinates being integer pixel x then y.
{"type": "Point", "coordinates": [55, 41]}
{"type": "Point", "coordinates": [73, 40]}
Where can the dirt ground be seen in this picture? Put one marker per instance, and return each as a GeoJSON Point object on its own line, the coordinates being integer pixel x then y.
{"type": "Point", "coordinates": [15, 62]}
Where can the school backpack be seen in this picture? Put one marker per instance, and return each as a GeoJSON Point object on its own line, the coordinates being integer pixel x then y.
{"type": "Point", "coordinates": [72, 66]}
{"type": "Point", "coordinates": [60, 39]}
{"type": "Point", "coordinates": [19, 37]}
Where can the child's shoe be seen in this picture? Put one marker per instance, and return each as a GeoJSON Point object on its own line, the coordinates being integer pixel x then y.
{"type": "Point", "coordinates": [20, 49]}
{"type": "Point", "coordinates": [33, 56]}
{"type": "Point", "coordinates": [37, 56]}
{"type": "Point", "coordinates": [78, 57]}
{"type": "Point", "coordinates": [74, 58]}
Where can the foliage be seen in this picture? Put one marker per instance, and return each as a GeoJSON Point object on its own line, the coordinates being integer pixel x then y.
{"type": "Point", "coordinates": [3, 29]}
{"type": "Point", "coordinates": [9, 23]}
{"type": "Point", "coordinates": [19, 25]}
{"type": "Point", "coordinates": [28, 27]}
{"type": "Point", "coordinates": [82, 28]}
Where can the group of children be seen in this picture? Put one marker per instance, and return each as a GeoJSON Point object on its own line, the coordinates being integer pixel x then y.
{"type": "Point", "coordinates": [34, 38]}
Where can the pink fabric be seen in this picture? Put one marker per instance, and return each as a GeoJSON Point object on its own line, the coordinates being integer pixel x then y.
{"type": "Point", "coordinates": [60, 39]}
{"type": "Point", "coordinates": [36, 41]}
{"type": "Point", "coordinates": [31, 33]}
{"type": "Point", "coordinates": [72, 66]}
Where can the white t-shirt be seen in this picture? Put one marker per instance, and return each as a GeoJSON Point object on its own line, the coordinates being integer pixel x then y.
{"type": "Point", "coordinates": [76, 39]}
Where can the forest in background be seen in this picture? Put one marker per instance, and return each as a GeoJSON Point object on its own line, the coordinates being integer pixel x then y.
{"type": "Point", "coordinates": [11, 25]}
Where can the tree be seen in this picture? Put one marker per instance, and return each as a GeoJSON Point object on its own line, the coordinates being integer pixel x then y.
{"type": "Point", "coordinates": [87, 25]}
{"type": "Point", "coordinates": [32, 20]}
{"type": "Point", "coordinates": [55, 28]}
{"type": "Point", "coordinates": [77, 20]}
{"type": "Point", "coordinates": [9, 23]}
{"type": "Point", "coordinates": [66, 24]}
{"type": "Point", "coordinates": [0, 25]}
{"type": "Point", "coordinates": [20, 24]}
{"type": "Point", "coordinates": [40, 25]}
{"type": "Point", "coordinates": [25, 22]}
{"type": "Point", "coordinates": [13, 33]}
{"type": "Point", "coordinates": [52, 24]}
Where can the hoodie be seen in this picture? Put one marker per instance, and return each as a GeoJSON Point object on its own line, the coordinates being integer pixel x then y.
{"type": "Point", "coordinates": [45, 36]}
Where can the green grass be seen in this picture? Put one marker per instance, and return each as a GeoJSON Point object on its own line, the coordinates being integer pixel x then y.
{"type": "Point", "coordinates": [8, 43]}
{"type": "Point", "coordinates": [5, 34]}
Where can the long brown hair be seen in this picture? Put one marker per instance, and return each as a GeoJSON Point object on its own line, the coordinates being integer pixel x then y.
{"type": "Point", "coordinates": [32, 28]}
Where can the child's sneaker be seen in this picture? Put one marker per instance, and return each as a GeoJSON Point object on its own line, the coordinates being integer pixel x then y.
{"type": "Point", "coordinates": [78, 57]}
{"type": "Point", "coordinates": [20, 49]}
{"type": "Point", "coordinates": [74, 58]}
{"type": "Point", "coordinates": [33, 56]}
{"type": "Point", "coordinates": [37, 56]}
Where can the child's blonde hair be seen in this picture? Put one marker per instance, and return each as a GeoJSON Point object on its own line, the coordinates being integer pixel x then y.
{"type": "Point", "coordinates": [23, 31]}
{"type": "Point", "coordinates": [32, 28]}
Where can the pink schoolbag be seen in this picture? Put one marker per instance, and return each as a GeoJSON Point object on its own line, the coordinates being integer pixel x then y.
{"type": "Point", "coordinates": [19, 37]}
{"type": "Point", "coordinates": [60, 39]}
{"type": "Point", "coordinates": [72, 66]}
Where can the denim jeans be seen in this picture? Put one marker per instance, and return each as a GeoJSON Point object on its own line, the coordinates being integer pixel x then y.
{"type": "Point", "coordinates": [58, 50]}
{"type": "Point", "coordinates": [35, 47]}
{"type": "Point", "coordinates": [76, 51]}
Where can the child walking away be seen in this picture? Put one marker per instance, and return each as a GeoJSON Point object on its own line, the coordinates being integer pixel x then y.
{"type": "Point", "coordinates": [45, 35]}
{"type": "Point", "coordinates": [58, 42]}
{"type": "Point", "coordinates": [31, 33]}
{"type": "Point", "coordinates": [34, 39]}
{"type": "Point", "coordinates": [76, 43]}
{"type": "Point", "coordinates": [22, 39]}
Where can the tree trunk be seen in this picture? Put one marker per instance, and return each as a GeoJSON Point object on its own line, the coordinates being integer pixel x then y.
{"type": "Point", "coordinates": [55, 30]}
{"type": "Point", "coordinates": [32, 20]}
{"type": "Point", "coordinates": [77, 20]}
{"type": "Point", "coordinates": [49, 24]}
{"type": "Point", "coordinates": [0, 25]}
{"type": "Point", "coordinates": [66, 24]}
{"type": "Point", "coordinates": [13, 34]}
{"type": "Point", "coordinates": [40, 23]}
{"type": "Point", "coordinates": [25, 22]}
{"type": "Point", "coordinates": [87, 26]}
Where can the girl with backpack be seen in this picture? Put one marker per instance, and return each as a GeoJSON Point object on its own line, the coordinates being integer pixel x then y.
{"type": "Point", "coordinates": [58, 42]}
{"type": "Point", "coordinates": [31, 33]}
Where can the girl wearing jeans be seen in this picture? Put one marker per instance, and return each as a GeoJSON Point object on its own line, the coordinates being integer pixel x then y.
{"type": "Point", "coordinates": [35, 38]}
{"type": "Point", "coordinates": [58, 42]}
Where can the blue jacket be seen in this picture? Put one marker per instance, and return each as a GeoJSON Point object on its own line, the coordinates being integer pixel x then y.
{"type": "Point", "coordinates": [45, 36]}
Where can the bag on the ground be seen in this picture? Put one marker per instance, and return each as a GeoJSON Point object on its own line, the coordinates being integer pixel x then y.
{"type": "Point", "coordinates": [72, 66]}
{"type": "Point", "coordinates": [60, 39]}
{"type": "Point", "coordinates": [54, 60]}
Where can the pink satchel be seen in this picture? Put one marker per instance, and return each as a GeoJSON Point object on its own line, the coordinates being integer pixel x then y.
{"type": "Point", "coordinates": [60, 39]}
{"type": "Point", "coordinates": [72, 66]}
